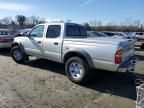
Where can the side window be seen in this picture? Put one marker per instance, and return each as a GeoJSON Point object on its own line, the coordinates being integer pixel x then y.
{"type": "Point", "coordinates": [75, 31]}
{"type": "Point", "coordinates": [37, 31]}
{"type": "Point", "coordinates": [53, 31]}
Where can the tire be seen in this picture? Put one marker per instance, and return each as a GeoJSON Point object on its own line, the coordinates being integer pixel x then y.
{"type": "Point", "coordinates": [77, 70]}
{"type": "Point", "coordinates": [17, 55]}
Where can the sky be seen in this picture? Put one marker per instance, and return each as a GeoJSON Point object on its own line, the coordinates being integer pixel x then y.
{"type": "Point", "coordinates": [78, 11]}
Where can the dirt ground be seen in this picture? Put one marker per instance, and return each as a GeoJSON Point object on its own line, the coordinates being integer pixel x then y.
{"type": "Point", "coordinates": [43, 84]}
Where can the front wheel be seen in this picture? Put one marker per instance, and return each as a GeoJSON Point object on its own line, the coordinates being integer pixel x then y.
{"type": "Point", "coordinates": [77, 70]}
{"type": "Point", "coordinates": [17, 55]}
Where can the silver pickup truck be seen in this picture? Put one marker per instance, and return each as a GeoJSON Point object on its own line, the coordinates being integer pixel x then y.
{"type": "Point", "coordinates": [68, 43]}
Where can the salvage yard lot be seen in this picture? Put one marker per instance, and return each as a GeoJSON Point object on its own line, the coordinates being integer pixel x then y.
{"type": "Point", "coordinates": [43, 84]}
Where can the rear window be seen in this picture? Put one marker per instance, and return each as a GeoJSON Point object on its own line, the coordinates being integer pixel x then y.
{"type": "Point", "coordinates": [75, 31]}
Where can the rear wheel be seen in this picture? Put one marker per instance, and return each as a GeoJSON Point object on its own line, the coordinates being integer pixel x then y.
{"type": "Point", "coordinates": [77, 70]}
{"type": "Point", "coordinates": [17, 55]}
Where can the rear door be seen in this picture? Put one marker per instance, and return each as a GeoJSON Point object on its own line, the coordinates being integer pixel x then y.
{"type": "Point", "coordinates": [52, 43]}
{"type": "Point", "coordinates": [33, 43]}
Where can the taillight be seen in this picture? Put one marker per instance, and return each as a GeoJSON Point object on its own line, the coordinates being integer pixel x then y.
{"type": "Point", "coordinates": [118, 56]}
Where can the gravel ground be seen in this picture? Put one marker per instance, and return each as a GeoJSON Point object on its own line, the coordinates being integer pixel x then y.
{"type": "Point", "coordinates": [43, 84]}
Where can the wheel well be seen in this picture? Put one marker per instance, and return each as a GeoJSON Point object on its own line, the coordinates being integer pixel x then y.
{"type": "Point", "coordinates": [15, 44]}
{"type": "Point", "coordinates": [74, 54]}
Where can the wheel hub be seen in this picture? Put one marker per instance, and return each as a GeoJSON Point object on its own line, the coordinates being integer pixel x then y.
{"type": "Point", "coordinates": [17, 55]}
{"type": "Point", "coordinates": [75, 70]}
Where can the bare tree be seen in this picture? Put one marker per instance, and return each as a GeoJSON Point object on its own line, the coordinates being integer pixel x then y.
{"type": "Point", "coordinates": [6, 20]}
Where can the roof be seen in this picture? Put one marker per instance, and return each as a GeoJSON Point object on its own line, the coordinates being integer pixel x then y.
{"type": "Point", "coordinates": [59, 23]}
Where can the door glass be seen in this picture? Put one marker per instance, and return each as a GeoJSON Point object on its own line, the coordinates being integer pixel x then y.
{"type": "Point", "coordinates": [37, 31]}
{"type": "Point", "coordinates": [53, 31]}
{"type": "Point", "coordinates": [75, 31]}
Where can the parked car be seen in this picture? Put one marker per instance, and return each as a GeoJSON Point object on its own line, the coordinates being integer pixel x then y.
{"type": "Point", "coordinates": [95, 34]}
{"type": "Point", "coordinates": [23, 32]}
{"type": "Point", "coordinates": [111, 34]}
{"type": "Point", "coordinates": [125, 35]}
{"type": "Point", "coordinates": [139, 35]}
{"type": "Point", "coordinates": [68, 43]}
{"type": "Point", "coordinates": [6, 38]}
{"type": "Point", "coordinates": [121, 35]}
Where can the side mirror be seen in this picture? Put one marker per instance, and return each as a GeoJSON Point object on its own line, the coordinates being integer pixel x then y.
{"type": "Point", "coordinates": [18, 35]}
{"type": "Point", "coordinates": [26, 34]}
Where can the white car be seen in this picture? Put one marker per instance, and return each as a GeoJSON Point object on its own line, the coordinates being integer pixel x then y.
{"type": "Point", "coordinates": [96, 34]}
{"type": "Point", "coordinates": [6, 38]}
{"type": "Point", "coordinates": [120, 35]}
{"type": "Point", "coordinates": [139, 35]}
{"type": "Point", "coordinates": [124, 35]}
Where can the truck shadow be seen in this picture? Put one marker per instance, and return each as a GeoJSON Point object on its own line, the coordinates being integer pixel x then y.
{"type": "Point", "coordinates": [117, 84]}
{"type": "Point", "coordinates": [47, 65]}
{"type": "Point", "coordinates": [5, 52]}
{"type": "Point", "coordinates": [113, 83]}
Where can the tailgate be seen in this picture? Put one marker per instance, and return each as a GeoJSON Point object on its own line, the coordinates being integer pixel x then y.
{"type": "Point", "coordinates": [128, 48]}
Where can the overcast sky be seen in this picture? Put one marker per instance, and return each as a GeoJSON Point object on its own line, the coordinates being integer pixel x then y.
{"type": "Point", "coordinates": [76, 10]}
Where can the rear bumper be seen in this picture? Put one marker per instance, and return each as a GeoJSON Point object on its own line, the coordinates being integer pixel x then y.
{"type": "Point", "coordinates": [5, 45]}
{"type": "Point", "coordinates": [129, 65]}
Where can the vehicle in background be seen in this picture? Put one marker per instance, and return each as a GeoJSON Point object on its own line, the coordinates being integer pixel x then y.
{"type": "Point", "coordinates": [68, 43]}
{"type": "Point", "coordinates": [6, 38]}
{"type": "Point", "coordinates": [96, 34]}
{"type": "Point", "coordinates": [121, 35]}
{"type": "Point", "coordinates": [23, 32]}
{"type": "Point", "coordinates": [111, 34]}
{"type": "Point", "coordinates": [125, 35]}
{"type": "Point", "coordinates": [139, 35]}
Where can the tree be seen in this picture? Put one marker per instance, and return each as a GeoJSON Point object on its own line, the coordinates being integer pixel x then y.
{"type": "Point", "coordinates": [21, 19]}
{"type": "Point", "coordinates": [7, 20]}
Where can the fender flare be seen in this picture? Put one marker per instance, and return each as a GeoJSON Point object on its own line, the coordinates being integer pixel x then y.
{"type": "Point", "coordinates": [83, 54]}
{"type": "Point", "coordinates": [18, 44]}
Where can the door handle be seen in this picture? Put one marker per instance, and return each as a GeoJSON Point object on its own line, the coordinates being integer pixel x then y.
{"type": "Point", "coordinates": [56, 43]}
{"type": "Point", "coordinates": [39, 42]}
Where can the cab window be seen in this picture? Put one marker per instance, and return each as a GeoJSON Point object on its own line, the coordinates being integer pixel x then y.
{"type": "Point", "coordinates": [53, 31]}
{"type": "Point", "coordinates": [37, 31]}
{"type": "Point", "coordinates": [75, 31]}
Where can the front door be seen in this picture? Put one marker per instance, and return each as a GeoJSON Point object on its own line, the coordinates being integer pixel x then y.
{"type": "Point", "coordinates": [33, 43]}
